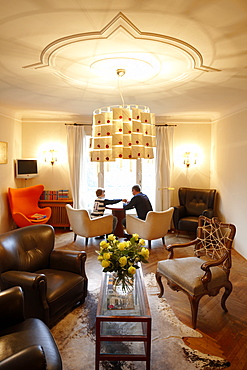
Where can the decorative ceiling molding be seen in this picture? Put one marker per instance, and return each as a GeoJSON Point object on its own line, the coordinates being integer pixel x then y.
{"type": "Point", "coordinates": [120, 22]}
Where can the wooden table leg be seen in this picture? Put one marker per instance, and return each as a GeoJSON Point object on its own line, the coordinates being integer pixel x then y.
{"type": "Point", "coordinates": [120, 214]}
{"type": "Point", "coordinates": [97, 349]}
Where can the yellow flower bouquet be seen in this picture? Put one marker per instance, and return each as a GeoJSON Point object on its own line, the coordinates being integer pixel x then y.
{"type": "Point", "coordinates": [123, 258]}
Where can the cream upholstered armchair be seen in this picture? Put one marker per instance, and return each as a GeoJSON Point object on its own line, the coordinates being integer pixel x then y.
{"type": "Point", "coordinates": [83, 225]}
{"type": "Point", "coordinates": [155, 226]}
{"type": "Point", "coordinates": [201, 276]}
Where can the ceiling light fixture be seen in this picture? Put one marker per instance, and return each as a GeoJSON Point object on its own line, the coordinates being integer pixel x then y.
{"type": "Point", "coordinates": [122, 131]}
{"type": "Point", "coordinates": [120, 72]}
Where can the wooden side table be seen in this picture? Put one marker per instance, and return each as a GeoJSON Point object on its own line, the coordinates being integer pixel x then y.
{"type": "Point", "coordinates": [59, 216]}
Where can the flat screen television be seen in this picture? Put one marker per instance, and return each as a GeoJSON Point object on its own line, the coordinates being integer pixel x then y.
{"type": "Point", "coordinates": [26, 168]}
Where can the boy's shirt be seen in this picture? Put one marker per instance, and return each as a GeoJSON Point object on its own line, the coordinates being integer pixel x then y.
{"type": "Point", "coordinates": [99, 206]}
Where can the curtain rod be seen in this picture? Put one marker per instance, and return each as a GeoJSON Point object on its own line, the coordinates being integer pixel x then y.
{"type": "Point", "coordinates": [78, 124]}
{"type": "Point", "coordinates": [89, 124]}
{"type": "Point", "coordinates": [165, 125]}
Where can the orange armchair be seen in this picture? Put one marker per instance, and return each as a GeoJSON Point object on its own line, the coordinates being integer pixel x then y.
{"type": "Point", "coordinates": [24, 205]}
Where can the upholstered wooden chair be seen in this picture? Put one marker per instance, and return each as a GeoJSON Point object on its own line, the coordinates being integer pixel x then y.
{"type": "Point", "coordinates": [193, 203]}
{"type": "Point", "coordinates": [83, 225]}
{"type": "Point", "coordinates": [24, 207]}
{"type": "Point", "coordinates": [201, 276]}
{"type": "Point", "coordinates": [155, 226]}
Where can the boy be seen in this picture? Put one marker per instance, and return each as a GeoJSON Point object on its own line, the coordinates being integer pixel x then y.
{"type": "Point", "coordinates": [99, 208]}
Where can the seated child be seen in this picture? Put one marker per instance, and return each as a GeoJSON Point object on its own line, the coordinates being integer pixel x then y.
{"type": "Point", "coordinates": [99, 208]}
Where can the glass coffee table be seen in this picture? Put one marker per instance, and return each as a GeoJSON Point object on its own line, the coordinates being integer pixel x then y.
{"type": "Point", "coordinates": [123, 323]}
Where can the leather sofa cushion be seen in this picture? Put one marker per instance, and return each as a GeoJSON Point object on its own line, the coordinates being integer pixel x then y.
{"type": "Point", "coordinates": [26, 249]}
{"type": "Point", "coordinates": [196, 202]}
{"type": "Point", "coordinates": [188, 223]}
{"type": "Point", "coordinates": [62, 287]}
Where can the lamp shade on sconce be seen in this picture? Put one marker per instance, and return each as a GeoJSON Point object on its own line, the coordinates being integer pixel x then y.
{"type": "Point", "coordinates": [50, 156]}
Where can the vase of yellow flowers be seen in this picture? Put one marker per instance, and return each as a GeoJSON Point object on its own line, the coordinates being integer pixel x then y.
{"type": "Point", "coordinates": [122, 258]}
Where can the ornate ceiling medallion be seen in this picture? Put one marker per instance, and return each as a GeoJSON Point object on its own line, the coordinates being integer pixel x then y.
{"type": "Point", "coordinates": [92, 58]}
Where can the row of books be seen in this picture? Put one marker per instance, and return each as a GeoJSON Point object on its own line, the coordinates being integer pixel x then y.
{"type": "Point", "coordinates": [54, 194]}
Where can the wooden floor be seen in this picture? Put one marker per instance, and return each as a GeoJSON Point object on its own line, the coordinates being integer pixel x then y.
{"type": "Point", "coordinates": [224, 334]}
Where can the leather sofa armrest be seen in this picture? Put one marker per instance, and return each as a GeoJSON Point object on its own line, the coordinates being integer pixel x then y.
{"type": "Point", "coordinates": [11, 306]}
{"type": "Point", "coordinates": [209, 213]}
{"type": "Point", "coordinates": [29, 280]}
{"type": "Point", "coordinates": [179, 212]}
{"type": "Point", "coordinates": [29, 358]}
{"type": "Point", "coordinates": [68, 260]}
{"type": "Point", "coordinates": [34, 286]}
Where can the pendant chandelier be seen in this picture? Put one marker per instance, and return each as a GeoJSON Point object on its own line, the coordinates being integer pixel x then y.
{"type": "Point", "coordinates": [122, 131]}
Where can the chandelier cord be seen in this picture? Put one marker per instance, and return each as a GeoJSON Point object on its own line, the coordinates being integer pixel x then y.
{"type": "Point", "coordinates": [121, 95]}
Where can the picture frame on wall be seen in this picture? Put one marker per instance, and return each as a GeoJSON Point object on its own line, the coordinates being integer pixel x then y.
{"type": "Point", "coordinates": [3, 152]}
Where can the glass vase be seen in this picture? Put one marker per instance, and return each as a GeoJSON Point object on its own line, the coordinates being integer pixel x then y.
{"type": "Point", "coordinates": [122, 284]}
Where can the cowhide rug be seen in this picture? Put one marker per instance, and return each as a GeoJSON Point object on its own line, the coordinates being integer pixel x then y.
{"type": "Point", "coordinates": [75, 337]}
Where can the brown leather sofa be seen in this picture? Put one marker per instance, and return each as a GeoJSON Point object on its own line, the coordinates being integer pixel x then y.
{"type": "Point", "coordinates": [53, 281]}
{"type": "Point", "coordinates": [193, 203]}
{"type": "Point", "coordinates": [24, 344]}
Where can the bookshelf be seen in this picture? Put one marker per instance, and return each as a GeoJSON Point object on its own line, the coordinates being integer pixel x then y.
{"type": "Point", "coordinates": [59, 216]}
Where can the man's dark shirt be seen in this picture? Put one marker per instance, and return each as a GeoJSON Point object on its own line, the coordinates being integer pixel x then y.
{"type": "Point", "coordinates": [141, 203]}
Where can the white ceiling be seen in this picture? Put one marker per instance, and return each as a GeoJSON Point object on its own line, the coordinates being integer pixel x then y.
{"type": "Point", "coordinates": [182, 57]}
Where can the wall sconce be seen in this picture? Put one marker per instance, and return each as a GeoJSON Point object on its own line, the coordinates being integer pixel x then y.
{"type": "Point", "coordinates": [189, 158]}
{"type": "Point", "coordinates": [51, 156]}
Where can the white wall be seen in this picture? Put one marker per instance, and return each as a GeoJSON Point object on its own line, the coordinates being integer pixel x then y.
{"type": "Point", "coordinates": [188, 137]}
{"type": "Point", "coordinates": [38, 137]}
{"type": "Point", "coordinates": [229, 173]}
{"type": "Point", "coordinates": [10, 132]}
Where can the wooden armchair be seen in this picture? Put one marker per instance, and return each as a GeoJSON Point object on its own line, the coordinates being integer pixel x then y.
{"type": "Point", "coordinates": [201, 276]}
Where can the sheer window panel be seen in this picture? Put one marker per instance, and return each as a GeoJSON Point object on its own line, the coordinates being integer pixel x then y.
{"type": "Point", "coordinates": [148, 179]}
{"type": "Point", "coordinates": [119, 177]}
{"type": "Point", "coordinates": [92, 170]}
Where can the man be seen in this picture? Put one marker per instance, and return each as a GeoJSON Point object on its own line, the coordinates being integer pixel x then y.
{"type": "Point", "coordinates": [140, 202]}
{"type": "Point", "coordinates": [99, 208]}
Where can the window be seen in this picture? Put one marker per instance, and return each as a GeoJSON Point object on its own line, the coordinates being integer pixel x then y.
{"type": "Point", "coordinates": [148, 179]}
{"type": "Point", "coordinates": [118, 177]}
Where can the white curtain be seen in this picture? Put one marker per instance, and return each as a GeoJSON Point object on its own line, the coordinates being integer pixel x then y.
{"type": "Point", "coordinates": [76, 145]}
{"type": "Point", "coordinates": [163, 167]}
